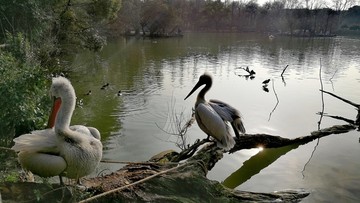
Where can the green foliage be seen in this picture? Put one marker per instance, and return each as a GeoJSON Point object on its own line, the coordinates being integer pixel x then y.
{"type": "Point", "coordinates": [78, 22]}
{"type": "Point", "coordinates": [12, 177]}
{"type": "Point", "coordinates": [33, 35]}
{"type": "Point", "coordinates": [23, 90]}
{"type": "Point", "coordinates": [29, 17]}
{"type": "Point", "coordinates": [105, 9]}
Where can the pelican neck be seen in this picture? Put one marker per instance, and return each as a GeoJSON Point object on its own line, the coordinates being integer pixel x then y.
{"type": "Point", "coordinates": [203, 91]}
{"type": "Point", "coordinates": [64, 115]}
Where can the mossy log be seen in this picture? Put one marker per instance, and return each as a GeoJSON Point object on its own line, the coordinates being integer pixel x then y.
{"type": "Point", "coordinates": [168, 181]}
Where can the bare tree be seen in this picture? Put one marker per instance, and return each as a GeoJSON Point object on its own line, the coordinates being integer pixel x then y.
{"type": "Point", "coordinates": [340, 5]}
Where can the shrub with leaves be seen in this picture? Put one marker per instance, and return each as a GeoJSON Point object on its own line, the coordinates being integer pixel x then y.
{"type": "Point", "coordinates": [23, 91]}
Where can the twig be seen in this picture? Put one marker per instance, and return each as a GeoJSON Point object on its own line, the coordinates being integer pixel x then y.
{"type": "Point", "coordinates": [340, 118]}
{"type": "Point", "coordinates": [189, 151]}
{"type": "Point", "coordinates": [342, 99]}
{"type": "Point", "coordinates": [130, 162]}
{"type": "Point", "coordinates": [45, 193]}
{"type": "Point", "coordinates": [332, 85]}
{"type": "Point", "coordinates": [132, 184]}
{"type": "Point", "coordinates": [175, 126]}
{"type": "Point", "coordinates": [322, 98]}
{"type": "Point", "coordinates": [277, 101]}
{"type": "Point", "coordinates": [282, 77]}
{"type": "Point", "coordinates": [284, 70]}
{"type": "Point", "coordinates": [6, 148]}
{"type": "Point", "coordinates": [311, 156]}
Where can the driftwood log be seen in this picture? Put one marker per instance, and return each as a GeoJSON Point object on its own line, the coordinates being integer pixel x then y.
{"type": "Point", "coordinates": [163, 180]}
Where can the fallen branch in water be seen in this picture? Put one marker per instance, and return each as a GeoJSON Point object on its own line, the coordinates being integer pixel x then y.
{"type": "Point", "coordinates": [282, 77]}
{"type": "Point", "coordinates": [342, 99]}
{"type": "Point", "coordinates": [277, 101]}
{"type": "Point", "coordinates": [284, 70]}
{"type": "Point", "coordinates": [322, 98]}
{"type": "Point", "coordinates": [357, 106]}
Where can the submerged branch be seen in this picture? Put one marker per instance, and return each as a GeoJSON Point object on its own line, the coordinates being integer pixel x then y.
{"type": "Point", "coordinates": [284, 70]}
{"type": "Point", "coordinates": [282, 77]}
{"type": "Point", "coordinates": [357, 119]}
{"type": "Point", "coordinates": [340, 118]}
{"type": "Point", "coordinates": [332, 84]}
{"type": "Point", "coordinates": [342, 99]}
{"type": "Point", "coordinates": [277, 100]}
{"type": "Point", "coordinates": [322, 98]}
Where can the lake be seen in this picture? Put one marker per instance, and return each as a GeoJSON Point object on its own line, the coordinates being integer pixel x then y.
{"type": "Point", "coordinates": [155, 75]}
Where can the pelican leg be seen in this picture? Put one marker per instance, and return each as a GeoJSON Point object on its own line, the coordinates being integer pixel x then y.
{"type": "Point", "coordinates": [61, 180]}
{"type": "Point", "coordinates": [78, 181]}
{"type": "Point", "coordinates": [235, 130]}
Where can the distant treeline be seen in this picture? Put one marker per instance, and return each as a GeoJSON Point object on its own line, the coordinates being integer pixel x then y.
{"type": "Point", "coordinates": [289, 17]}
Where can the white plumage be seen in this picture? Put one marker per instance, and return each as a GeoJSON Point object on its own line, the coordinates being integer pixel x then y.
{"type": "Point", "coordinates": [212, 116]}
{"type": "Point", "coordinates": [67, 151]}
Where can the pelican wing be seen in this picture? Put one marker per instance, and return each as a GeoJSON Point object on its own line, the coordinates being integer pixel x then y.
{"type": "Point", "coordinates": [212, 124]}
{"type": "Point", "coordinates": [37, 141]}
{"type": "Point", "coordinates": [229, 114]}
{"type": "Point", "coordinates": [226, 112]}
{"type": "Point", "coordinates": [90, 131]}
{"type": "Point", "coordinates": [209, 121]}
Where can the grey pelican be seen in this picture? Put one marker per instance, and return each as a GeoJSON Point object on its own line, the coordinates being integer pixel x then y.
{"type": "Point", "coordinates": [61, 150]}
{"type": "Point", "coordinates": [212, 116]}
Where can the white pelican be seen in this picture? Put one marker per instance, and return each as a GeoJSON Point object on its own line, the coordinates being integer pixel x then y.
{"type": "Point", "coordinates": [61, 150]}
{"type": "Point", "coordinates": [212, 116]}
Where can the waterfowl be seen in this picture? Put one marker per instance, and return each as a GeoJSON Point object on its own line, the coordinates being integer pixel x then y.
{"type": "Point", "coordinates": [61, 150]}
{"type": "Point", "coordinates": [214, 115]}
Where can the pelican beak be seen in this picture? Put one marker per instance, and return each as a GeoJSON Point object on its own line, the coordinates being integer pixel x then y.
{"type": "Point", "coordinates": [54, 111]}
{"type": "Point", "coordinates": [194, 89]}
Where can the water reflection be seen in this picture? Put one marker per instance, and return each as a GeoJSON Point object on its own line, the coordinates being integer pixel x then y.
{"type": "Point", "coordinates": [255, 164]}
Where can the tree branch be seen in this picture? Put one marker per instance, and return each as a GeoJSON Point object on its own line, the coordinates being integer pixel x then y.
{"type": "Point", "coordinates": [342, 99]}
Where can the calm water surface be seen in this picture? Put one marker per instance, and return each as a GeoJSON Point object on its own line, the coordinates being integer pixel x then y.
{"type": "Point", "coordinates": [154, 76]}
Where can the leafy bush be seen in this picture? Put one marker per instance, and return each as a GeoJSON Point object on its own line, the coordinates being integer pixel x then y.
{"type": "Point", "coordinates": [23, 90]}
{"type": "Point", "coordinates": [35, 34]}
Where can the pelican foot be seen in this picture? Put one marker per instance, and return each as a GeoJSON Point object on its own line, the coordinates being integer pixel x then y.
{"type": "Point", "coordinates": [81, 187]}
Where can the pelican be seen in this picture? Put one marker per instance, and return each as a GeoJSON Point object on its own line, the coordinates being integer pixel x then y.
{"type": "Point", "coordinates": [61, 150]}
{"type": "Point", "coordinates": [212, 116]}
